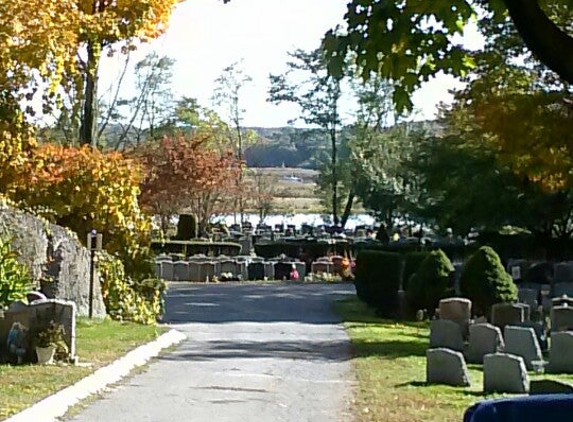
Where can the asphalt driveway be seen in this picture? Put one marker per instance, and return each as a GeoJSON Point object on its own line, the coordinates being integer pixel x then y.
{"type": "Point", "coordinates": [254, 352]}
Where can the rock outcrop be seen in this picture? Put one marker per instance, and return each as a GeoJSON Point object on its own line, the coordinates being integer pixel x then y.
{"type": "Point", "coordinates": [57, 260]}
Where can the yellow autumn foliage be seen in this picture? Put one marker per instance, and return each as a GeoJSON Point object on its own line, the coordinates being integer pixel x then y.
{"type": "Point", "coordinates": [85, 189]}
{"type": "Point", "coordinates": [41, 48]}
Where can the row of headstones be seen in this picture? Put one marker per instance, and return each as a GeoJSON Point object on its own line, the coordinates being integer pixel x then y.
{"type": "Point", "coordinates": [335, 261]}
{"type": "Point", "coordinates": [502, 314]}
{"type": "Point", "coordinates": [504, 372]}
{"type": "Point", "coordinates": [561, 315]}
{"type": "Point", "coordinates": [38, 315]}
{"type": "Point", "coordinates": [541, 295]}
{"type": "Point", "coordinates": [201, 270]}
{"type": "Point", "coordinates": [562, 271]}
{"type": "Point", "coordinates": [485, 338]}
{"type": "Point", "coordinates": [459, 310]}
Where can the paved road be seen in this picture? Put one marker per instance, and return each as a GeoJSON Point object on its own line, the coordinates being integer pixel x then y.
{"type": "Point", "coordinates": [255, 352]}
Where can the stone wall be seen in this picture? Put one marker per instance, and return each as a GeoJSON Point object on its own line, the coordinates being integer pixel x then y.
{"type": "Point", "coordinates": [52, 253]}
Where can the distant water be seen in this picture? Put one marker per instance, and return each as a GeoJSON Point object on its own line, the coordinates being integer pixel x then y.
{"type": "Point", "coordinates": [296, 219]}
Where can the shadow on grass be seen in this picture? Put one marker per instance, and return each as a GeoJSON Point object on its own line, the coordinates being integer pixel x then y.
{"type": "Point", "coordinates": [457, 390]}
{"type": "Point", "coordinates": [389, 349]}
{"type": "Point", "coordinates": [355, 311]}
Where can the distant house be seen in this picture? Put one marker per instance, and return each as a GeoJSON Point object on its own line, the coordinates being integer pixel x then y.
{"type": "Point", "coordinates": [293, 178]}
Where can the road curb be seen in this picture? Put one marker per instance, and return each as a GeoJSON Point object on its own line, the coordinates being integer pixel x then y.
{"type": "Point", "coordinates": [56, 405]}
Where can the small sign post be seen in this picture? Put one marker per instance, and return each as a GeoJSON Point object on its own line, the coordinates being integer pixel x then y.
{"type": "Point", "coordinates": [94, 243]}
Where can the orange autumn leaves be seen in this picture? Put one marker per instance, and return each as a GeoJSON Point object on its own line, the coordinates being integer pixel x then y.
{"type": "Point", "coordinates": [185, 173]}
{"type": "Point", "coordinates": [84, 188]}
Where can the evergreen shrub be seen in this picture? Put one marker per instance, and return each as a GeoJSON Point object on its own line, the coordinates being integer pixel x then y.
{"type": "Point", "coordinates": [378, 279]}
{"type": "Point", "coordinates": [431, 282]}
{"type": "Point", "coordinates": [485, 281]}
{"type": "Point", "coordinates": [187, 227]}
{"type": "Point", "coordinates": [412, 261]}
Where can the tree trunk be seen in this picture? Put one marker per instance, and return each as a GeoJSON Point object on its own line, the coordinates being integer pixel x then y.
{"type": "Point", "coordinates": [87, 127]}
{"type": "Point", "coordinates": [347, 209]}
{"type": "Point", "coordinates": [334, 182]}
{"type": "Point", "coordinates": [240, 181]}
{"type": "Point", "coordinates": [546, 41]}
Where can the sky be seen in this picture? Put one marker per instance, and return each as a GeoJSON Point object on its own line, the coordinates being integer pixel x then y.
{"type": "Point", "coordinates": [205, 36]}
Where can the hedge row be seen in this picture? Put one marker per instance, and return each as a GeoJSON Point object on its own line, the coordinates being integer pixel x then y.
{"type": "Point", "coordinates": [426, 278]}
{"type": "Point", "coordinates": [188, 248]}
{"type": "Point", "coordinates": [378, 277]}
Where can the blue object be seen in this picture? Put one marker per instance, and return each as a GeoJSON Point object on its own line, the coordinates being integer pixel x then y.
{"type": "Point", "coordinates": [538, 408]}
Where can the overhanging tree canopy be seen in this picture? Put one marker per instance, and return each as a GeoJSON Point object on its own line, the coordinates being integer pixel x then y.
{"type": "Point", "coordinates": [410, 41]}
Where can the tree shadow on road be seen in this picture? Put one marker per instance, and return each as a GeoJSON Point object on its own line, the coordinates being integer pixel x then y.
{"type": "Point", "coordinates": [280, 302]}
{"type": "Point", "coordinates": [330, 350]}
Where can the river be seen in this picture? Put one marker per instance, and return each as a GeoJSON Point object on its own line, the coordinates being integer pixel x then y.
{"type": "Point", "coordinates": [296, 219]}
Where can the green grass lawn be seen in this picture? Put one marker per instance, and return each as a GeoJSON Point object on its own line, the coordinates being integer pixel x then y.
{"type": "Point", "coordinates": [390, 363]}
{"type": "Point", "coordinates": [97, 342]}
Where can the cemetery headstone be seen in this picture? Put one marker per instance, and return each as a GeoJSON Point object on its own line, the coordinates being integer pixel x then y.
{"type": "Point", "coordinates": [445, 366]}
{"type": "Point", "coordinates": [484, 339]}
{"type": "Point", "coordinates": [301, 269]}
{"type": "Point", "coordinates": [561, 318]}
{"type": "Point", "coordinates": [528, 296]}
{"type": "Point", "coordinates": [522, 341]}
{"type": "Point", "coordinates": [539, 328]}
{"type": "Point", "coordinates": [181, 271]}
{"type": "Point", "coordinates": [207, 270]}
{"type": "Point", "coordinates": [562, 300]}
{"type": "Point", "coordinates": [60, 312]}
{"type": "Point", "coordinates": [11, 315]}
{"type": "Point", "coordinates": [322, 267]}
{"type": "Point", "coordinates": [242, 271]}
{"type": "Point", "coordinates": [270, 270]}
{"type": "Point", "coordinates": [447, 334]}
{"type": "Point", "coordinates": [33, 296]}
{"type": "Point", "coordinates": [256, 271]}
{"type": "Point", "coordinates": [526, 311]}
{"type": "Point", "coordinates": [457, 309]}
{"type": "Point", "coordinates": [503, 314]}
{"type": "Point", "coordinates": [282, 270]}
{"type": "Point", "coordinates": [195, 271]}
{"type": "Point", "coordinates": [228, 267]}
{"type": "Point", "coordinates": [504, 373]}
{"type": "Point", "coordinates": [561, 353]}
{"type": "Point", "coordinates": [167, 270]}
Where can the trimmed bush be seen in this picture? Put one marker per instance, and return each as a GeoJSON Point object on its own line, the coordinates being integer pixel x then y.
{"type": "Point", "coordinates": [302, 249]}
{"type": "Point", "coordinates": [378, 280]}
{"type": "Point", "coordinates": [412, 262]}
{"type": "Point", "coordinates": [485, 281]}
{"type": "Point", "coordinates": [187, 227]}
{"type": "Point", "coordinates": [189, 248]}
{"type": "Point", "coordinates": [431, 282]}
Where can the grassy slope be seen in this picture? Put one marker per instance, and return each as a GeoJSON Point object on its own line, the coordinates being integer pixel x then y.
{"type": "Point", "coordinates": [97, 342]}
{"type": "Point", "coordinates": [391, 370]}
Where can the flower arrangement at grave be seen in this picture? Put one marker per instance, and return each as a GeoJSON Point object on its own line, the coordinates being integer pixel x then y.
{"type": "Point", "coordinates": [52, 336]}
